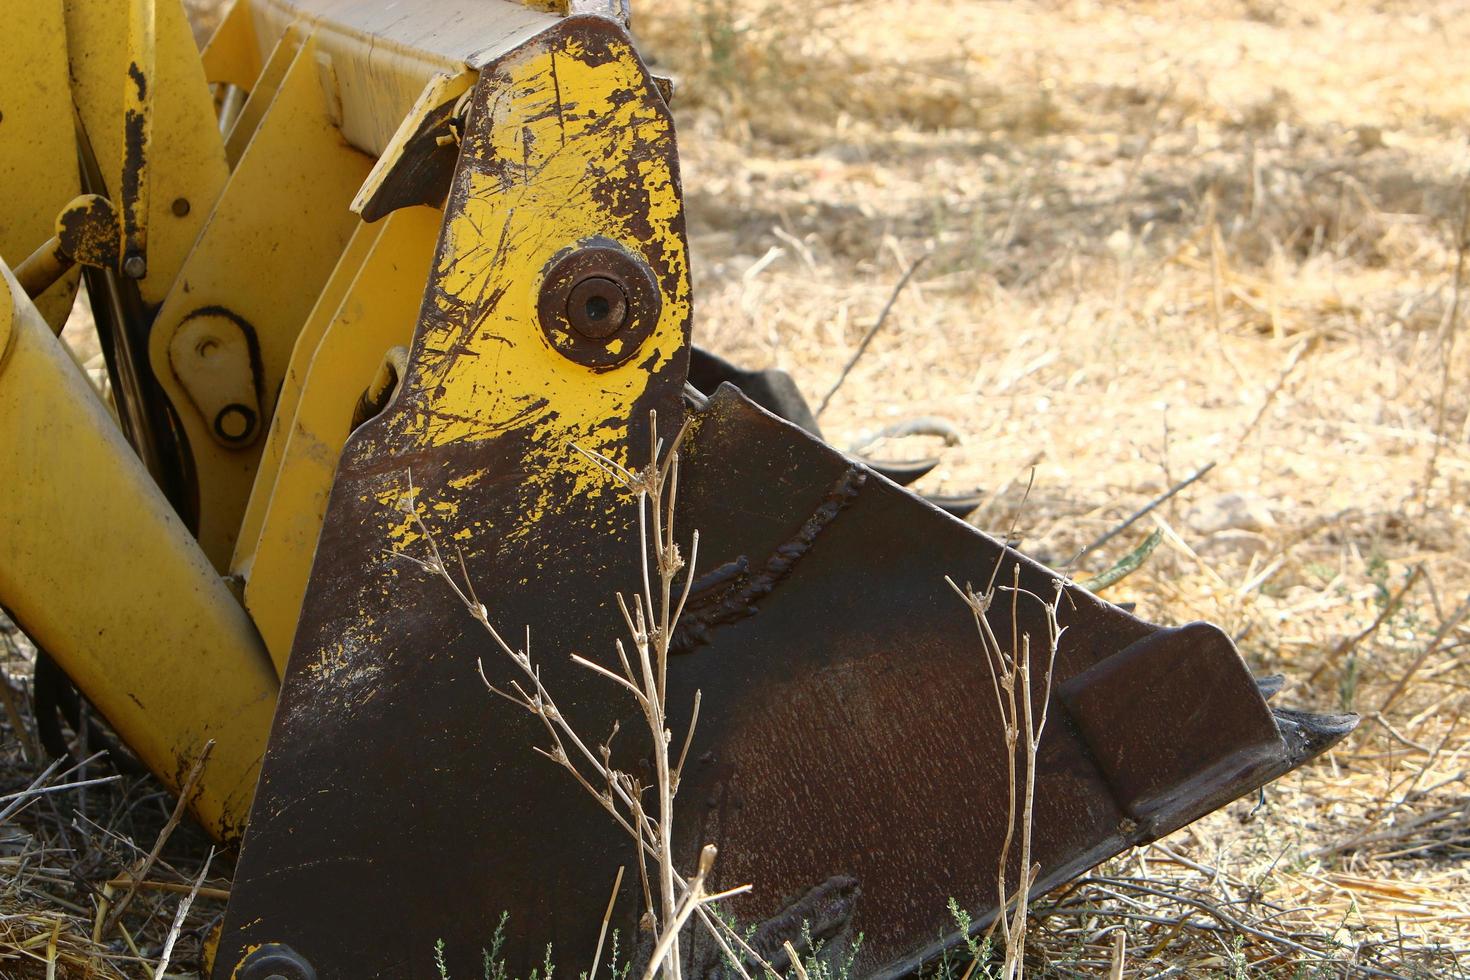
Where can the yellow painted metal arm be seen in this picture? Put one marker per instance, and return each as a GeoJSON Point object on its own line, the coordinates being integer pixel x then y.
{"type": "Point", "coordinates": [233, 55]}
{"type": "Point", "coordinates": [171, 188]}
{"type": "Point", "coordinates": [100, 572]}
{"type": "Point", "coordinates": [268, 468]}
{"type": "Point", "coordinates": [38, 155]}
{"type": "Point", "coordinates": [378, 312]}
{"type": "Point", "coordinates": [137, 135]}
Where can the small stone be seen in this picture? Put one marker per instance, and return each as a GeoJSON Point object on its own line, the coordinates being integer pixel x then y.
{"type": "Point", "coordinates": [1231, 512]}
{"type": "Point", "coordinates": [1367, 138]}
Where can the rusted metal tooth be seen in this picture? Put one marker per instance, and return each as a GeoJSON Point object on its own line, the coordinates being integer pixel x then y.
{"type": "Point", "coordinates": [1307, 734]}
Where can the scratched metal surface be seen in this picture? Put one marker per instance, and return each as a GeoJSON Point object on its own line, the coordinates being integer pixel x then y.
{"type": "Point", "coordinates": [849, 754]}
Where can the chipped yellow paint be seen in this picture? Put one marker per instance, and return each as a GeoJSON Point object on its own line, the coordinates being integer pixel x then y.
{"type": "Point", "coordinates": [188, 164]}
{"type": "Point", "coordinates": [244, 955]}
{"type": "Point", "coordinates": [578, 140]}
{"type": "Point", "coordinates": [459, 483]}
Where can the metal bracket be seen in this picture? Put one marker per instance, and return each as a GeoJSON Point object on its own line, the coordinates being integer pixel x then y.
{"type": "Point", "coordinates": [87, 233]}
{"type": "Point", "coordinates": [216, 358]}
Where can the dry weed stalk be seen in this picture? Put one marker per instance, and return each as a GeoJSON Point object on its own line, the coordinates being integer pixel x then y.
{"type": "Point", "coordinates": [1011, 674]}
{"type": "Point", "coordinates": [650, 622]}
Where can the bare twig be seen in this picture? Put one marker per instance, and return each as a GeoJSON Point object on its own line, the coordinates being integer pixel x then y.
{"type": "Point", "coordinates": [695, 897]}
{"type": "Point", "coordinates": [1287, 371]}
{"type": "Point", "coordinates": [795, 960]}
{"type": "Point", "coordinates": [650, 618]}
{"type": "Point", "coordinates": [1149, 508]}
{"type": "Point", "coordinates": [29, 745]}
{"type": "Point", "coordinates": [862, 346]}
{"type": "Point", "coordinates": [29, 793]}
{"type": "Point", "coordinates": [40, 786]}
{"type": "Point", "coordinates": [183, 911]}
{"type": "Point", "coordinates": [186, 792]}
{"type": "Point", "coordinates": [1445, 629]}
{"type": "Point", "coordinates": [1120, 948]}
{"type": "Point", "coordinates": [612, 900]}
{"type": "Point", "coordinates": [1011, 673]}
{"type": "Point", "coordinates": [176, 887]}
{"type": "Point", "coordinates": [1348, 644]}
{"type": "Point", "coordinates": [1231, 921]}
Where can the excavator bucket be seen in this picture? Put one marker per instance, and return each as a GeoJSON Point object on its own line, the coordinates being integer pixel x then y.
{"type": "Point", "coordinates": [422, 273]}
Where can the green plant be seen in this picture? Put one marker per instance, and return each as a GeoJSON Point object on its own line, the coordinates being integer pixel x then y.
{"type": "Point", "coordinates": [978, 950]}
{"type": "Point", "coordinates": [496, 967]}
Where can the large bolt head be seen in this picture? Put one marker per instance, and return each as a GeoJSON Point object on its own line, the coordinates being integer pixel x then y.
{"type": "Point", "coordinates": [598, 303]}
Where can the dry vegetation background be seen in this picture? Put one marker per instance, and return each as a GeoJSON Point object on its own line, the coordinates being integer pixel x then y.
{"type": "Point", "coordinates": [1159, 236]}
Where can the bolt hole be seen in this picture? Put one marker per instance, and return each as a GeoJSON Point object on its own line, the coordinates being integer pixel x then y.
{"type": "Point", "coordinates": [598, 307]}
{"type": "Point", "coordinates": [234, 423]}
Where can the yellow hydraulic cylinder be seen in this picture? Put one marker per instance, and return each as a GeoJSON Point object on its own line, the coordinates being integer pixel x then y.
{"type": "Point", "coordinates": [97, 568]}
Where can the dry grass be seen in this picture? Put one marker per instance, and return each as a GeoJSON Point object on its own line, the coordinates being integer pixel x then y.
{"type": "Point", "coordinates": [1161, 235]}
{"type": "Point", "coordinates": [70, 836]}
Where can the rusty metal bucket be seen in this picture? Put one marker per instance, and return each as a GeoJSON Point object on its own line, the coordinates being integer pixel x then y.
{"type": "Point", "coordinates": [848, 760]}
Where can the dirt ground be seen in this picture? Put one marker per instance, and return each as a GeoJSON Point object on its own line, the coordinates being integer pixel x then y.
{"type": "Point", "coordinates": [1154, 237]}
